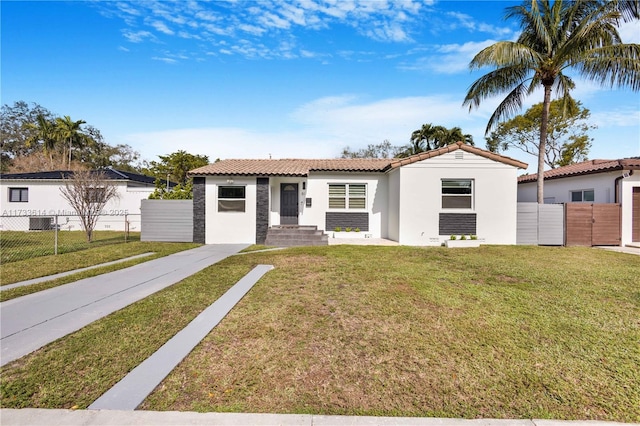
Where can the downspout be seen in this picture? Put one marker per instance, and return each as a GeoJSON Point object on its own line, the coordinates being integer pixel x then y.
{"type": "Point", "coordinates": [616, 185]}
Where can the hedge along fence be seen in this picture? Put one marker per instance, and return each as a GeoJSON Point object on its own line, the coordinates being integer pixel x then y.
{"type": "Point", "coordinates": [26, 236]}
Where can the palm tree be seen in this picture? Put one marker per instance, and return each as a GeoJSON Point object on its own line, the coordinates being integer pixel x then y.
{"type": "Point", "coordinates": [423, 139]}
{"type": "Point", "coordinates": [44, 131]}
{"type": "Point", "coordinates": [556, 36]}
{"type": "Point", "coordinates": [70, 131]}
{"type": "Point", "coordinates": [453, 135]}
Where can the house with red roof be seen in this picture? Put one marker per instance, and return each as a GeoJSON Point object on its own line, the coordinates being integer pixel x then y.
{"type": "Point", "coordinates": [593, 181]}
{"type": "Point", "coordinates": [420, 200]}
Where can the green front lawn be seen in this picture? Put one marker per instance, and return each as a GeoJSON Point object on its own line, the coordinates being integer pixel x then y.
{"type": "Point", "coordinates": [500, 332]}
{"type": "Point", "coordinates": [43, 266]}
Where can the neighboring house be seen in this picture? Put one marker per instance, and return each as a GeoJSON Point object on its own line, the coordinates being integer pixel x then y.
{"type": "Point", "coordinates": [593, 181]}
{"type": "Point", "coordinates": [420, 200]}
{"type": "Point", "coordinates": [36, 195]}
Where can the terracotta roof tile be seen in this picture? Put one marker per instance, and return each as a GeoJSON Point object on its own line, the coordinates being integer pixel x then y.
{"type": "Point", "coordinates": [291, 167]}
{"type": "Point", "coordinates": [453, 147]}
{"type": "Point", "coordinates": [585, 168]}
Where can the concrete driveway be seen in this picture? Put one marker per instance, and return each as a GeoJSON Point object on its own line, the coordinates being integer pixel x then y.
{"type": "Point", "coordinates": [27, 323]}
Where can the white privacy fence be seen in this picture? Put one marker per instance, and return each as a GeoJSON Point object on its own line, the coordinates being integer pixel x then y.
{"type": "Point", "coordinates": [540, 224]}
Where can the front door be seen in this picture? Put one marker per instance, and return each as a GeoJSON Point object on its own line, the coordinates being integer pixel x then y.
{"type": "Point", "coordinates": [288, 204]}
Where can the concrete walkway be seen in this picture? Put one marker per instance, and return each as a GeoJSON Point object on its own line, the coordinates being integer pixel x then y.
{"type": "Point", "coordinates": [129, 392]}
{"type": "Point", "coordinates": [67, 273]}
{"type": "Point", "coordinates": [27, 323]}
{"type": "Point", "coordinates": [36, 417]}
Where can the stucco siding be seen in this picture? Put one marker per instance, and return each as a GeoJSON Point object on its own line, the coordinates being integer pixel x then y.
{"type": "Point", "coordinates": [45, 198]}
{"type": "Point", "coordinates": [230, 227]}
{"type": "Point", "coordinates": [377, 201]}
{"type": "Point", "coordinates": [559, 190]}
{"type": "Point", "coordinates": [626, 200]}
{"type": "Point", "coordinates": [394, 205]}
{"type": "Point", "coordinates": [494, 198]}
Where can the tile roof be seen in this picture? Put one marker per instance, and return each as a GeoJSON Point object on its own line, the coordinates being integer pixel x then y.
{"type": "Point", "coordinates": [454, 147]}
{"type": "Point", "coordinates": [302, 167]}
{"type": "Point", "coordinates": [291, 167]}
{"type": "Point", "coordinates": [585, 168]}
{"type": "Point", "coordinates": [112, 174]}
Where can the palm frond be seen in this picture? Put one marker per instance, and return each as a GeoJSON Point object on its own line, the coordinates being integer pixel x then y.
{"type": "Point", "coordinates": [511, 104]}
{"type": "Point", "coordinates": [495, 82]}
{"type": "Point", "coordinates": [613, 66]}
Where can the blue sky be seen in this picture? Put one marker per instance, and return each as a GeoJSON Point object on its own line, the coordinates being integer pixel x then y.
{"type": "Point", "coordinates": [296, 79]}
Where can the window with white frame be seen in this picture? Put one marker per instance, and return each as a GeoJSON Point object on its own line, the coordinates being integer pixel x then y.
{"type": "Point", "coordinates": [18, 195]}
{"type": "Point", "coordinates": [348, 196]}
{"type": "Point", "coordinates": [457, 193]}
{"type": "Point", "coordinates": [231, 198]}
{"type": "Point", "coordinates": [583, 195]}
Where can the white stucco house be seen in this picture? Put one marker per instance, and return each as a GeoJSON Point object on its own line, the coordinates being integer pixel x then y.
{"type": "Point", "coordinates": [37, 197]}
{"type": "Point", "coordinates": [420, 200]}
{"type": "Point", "coordinates": [593, 181]}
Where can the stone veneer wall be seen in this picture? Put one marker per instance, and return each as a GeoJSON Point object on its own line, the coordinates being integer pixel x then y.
{"type": "Point", "coordinates": [262, 209]}
{"type": "Point", "coordinates": [199, 213]}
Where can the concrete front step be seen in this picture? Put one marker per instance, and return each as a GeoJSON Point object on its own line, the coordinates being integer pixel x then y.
{"type": "Point", "coordinates": [296, 243]}
{"type": "Point", "coordinates": [294, 235]}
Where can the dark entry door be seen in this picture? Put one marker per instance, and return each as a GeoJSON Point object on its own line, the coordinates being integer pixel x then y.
{"type": "Point", "coordinates": [288, 204]}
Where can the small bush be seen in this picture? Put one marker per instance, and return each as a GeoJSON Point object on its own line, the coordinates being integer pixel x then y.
{"type": "Point", "coordinates": [473, 237]}
{"type": "Point", "coordinates": [347, 229]}
{"type": "Point", "coordinates": [337, 229]}
{"type": "Point", "coordinates": [453, 237]}
{"type": "Point", "coordinates": [357, 229]}
{"type": "Point", "coordinates": [463, 237]}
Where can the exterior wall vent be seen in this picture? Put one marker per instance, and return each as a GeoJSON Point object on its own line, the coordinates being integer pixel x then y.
{"type": "Point", "coordinates": [459, 155]}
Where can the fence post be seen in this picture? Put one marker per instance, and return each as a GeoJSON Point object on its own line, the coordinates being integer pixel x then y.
{"type": "Point", "coordinates": [55, 226]}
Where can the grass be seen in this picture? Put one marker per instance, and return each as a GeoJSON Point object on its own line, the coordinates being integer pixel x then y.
{"type": "Point", "coordinates": [48, 265]}
{"type": "Point", "coordinates": [500, 332]}
{"type": "Point", "coordinates": [19, 245]}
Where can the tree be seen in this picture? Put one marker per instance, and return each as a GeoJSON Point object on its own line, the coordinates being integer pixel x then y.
{"type": "Point", "coordinates": [556, 36]}
{"type": "Point", "coordinates": [43, 133]}
{"type": "Point", "coordinates": [14, 132]}
{"type": "Point", "coordinates": [28, 130]}
{"type": "Point", "coordinates": [567, 140]}
{"type": "Point", "coordinates": [88, 191]}
{"type": "Point", "coordinates": [453, 135]}
{"type": "Point", "coordinates": [381, 150]}
{"type": "Point", "coordinates": [174, 168]}
{"type": "Point", "coordinates": [430, 137]}
{"type": "Point", "coordinates": [70, 132]}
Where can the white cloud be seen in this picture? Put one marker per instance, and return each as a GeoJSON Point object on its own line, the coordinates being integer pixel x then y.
{"type": "Point", "coordinates": [448, 58]}
{"type": "Point", "coordinates": [321, 128]}
{"type": "Point", "coordinates": [137, 36]}
{"type": "Point", "coordinates": [161, 27]}
{"type": "Point", "coordinates": [165, 60]}
{"type": "Point", "coordinates": [616, 118]}
{"type": "Point", "coordinates": [630, 32]}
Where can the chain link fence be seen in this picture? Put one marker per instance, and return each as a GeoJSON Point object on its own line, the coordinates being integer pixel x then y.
{"type": "Point", "coordinates": [27, 236]}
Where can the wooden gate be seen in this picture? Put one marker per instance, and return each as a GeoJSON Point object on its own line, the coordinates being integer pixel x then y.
{"type": "Point", "coordinates": [592, 224]}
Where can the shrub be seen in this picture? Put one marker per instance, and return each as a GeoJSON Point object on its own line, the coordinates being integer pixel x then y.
{"type": "Point", "coordinates": [347, 229]}
{"type": "Point", "coordinates": [463, 237]}
{"type": "Point", "coordinates": [337, 229]}
{"type": "Point", "coordinates": [357, 229]}
{"type": "Point", "coordinates": [453, 237]}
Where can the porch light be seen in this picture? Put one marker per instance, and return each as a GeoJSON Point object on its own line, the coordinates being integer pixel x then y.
{"type": "Point", "coordinates": [230, 181]}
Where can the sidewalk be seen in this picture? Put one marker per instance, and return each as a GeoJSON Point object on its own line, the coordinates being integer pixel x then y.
{"type": "Point", "coordinates": [35, 417]}
{"type": "Point", "coordinates": [27, 323]}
